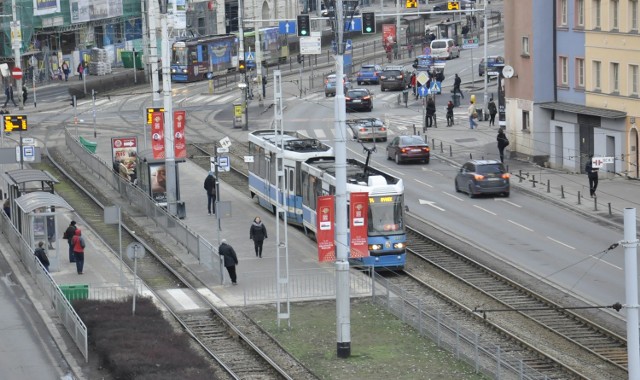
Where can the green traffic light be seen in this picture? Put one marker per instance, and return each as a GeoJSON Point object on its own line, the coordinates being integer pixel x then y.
{"type": "Point", "coordinates": [304, 32]}
{"type": "Point", "coordinates": [368, 29]}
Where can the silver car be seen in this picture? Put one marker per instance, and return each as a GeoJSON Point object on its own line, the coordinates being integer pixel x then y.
{"type": "Point", "coordinates": [368, 129]}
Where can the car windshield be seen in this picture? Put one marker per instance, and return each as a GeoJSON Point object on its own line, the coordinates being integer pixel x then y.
{"type": "Point", "coordinates": [357, 93]}
{"type": "Point", "coordinates": [411, 140]}
{"type": "Point", "coordinates": [385, 215]}
{"type": "Point", "coordinates": [438, 45]}
{"type": "Point", "coordinates": [368, 68]}
{"type": "Point", "coordinates": [490, 169]}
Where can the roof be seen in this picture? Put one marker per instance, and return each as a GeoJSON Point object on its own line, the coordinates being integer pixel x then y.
{"type": "Point", "coordinates": [20, 176]}
{"type": "Point", "coordinates": [40, 199]}
{"type": "Point", "coordinates": [584, 110]}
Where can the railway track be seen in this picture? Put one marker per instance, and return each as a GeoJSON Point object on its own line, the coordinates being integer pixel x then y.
{"type": "Point", "coordinates": [579, 345]}
{"type": "Point", "coordinates": [238, 353]}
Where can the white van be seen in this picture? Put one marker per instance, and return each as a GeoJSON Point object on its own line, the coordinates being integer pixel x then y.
{"type": "Point", "coordinates": [444, 48]}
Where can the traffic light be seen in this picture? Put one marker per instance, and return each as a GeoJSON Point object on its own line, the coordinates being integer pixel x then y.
{"type": "Point", "coordinates": [242, 66]}
{"type": "Point", "coordinates": [368, 23]}
{"type": "Point", "coordinates": [412, 3]}
{"type": "Point", "coordinates": [304, 27]}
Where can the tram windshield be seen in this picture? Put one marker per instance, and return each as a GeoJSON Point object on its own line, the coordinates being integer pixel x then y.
{"type": "Point", "coordinates": [180, 56]}
{"type": "Point", "coordinates": [385, 215]}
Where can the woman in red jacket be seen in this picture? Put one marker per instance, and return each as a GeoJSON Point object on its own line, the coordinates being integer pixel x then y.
{"type": "Point", "coordinates": [78, 249]}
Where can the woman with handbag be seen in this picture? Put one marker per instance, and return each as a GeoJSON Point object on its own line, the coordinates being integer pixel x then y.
{"type": "Point", "coordinates": [473, 115]}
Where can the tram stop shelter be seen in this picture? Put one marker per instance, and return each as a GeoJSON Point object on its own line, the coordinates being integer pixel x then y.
{"type": "Point", "coordinates": [34, 209]}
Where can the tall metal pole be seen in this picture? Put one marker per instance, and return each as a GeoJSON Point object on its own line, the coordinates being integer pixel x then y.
{"type": "Point", "coordinates": [343, 311]}
{"type": "Point", "coordinates": [93, 100]}
{"type": "Point", "coordinates": [486, 63]}
{"type": "Point", "coordinates": [630, 245]}
{"type": "Point", "coordinates": [153, 52]}
{"type": "Point", "coordinates": [34, 72]}
{"type": "Point", "coordinates": [259, 63]}
{"type": "Point", "coordinates": [16, 42]}
{"type": "Point", "coordinates": [244, 90]}
{"type": "Point", "coordinates": [170, 162]}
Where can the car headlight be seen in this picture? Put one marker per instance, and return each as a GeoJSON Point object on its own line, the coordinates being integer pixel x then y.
{"type": "Point", "coordinates": [375, 247]}
{"type": "Point", "coordinates": [399, 245]}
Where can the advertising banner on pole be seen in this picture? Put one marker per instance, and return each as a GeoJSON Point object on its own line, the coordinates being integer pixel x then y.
{"type": "Point", "coordinates": [157, 135]}
{"type": "Point", "coordinates": [179, 142]}
{"type": "Point", "coordinates": [358, 223]}
{"type": "Point", "coordinates": [124, 151]}
{"type": "Point", "coordinates": [324, 228]}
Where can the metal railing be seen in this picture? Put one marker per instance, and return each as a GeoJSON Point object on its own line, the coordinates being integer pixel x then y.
{"type": "Point", "coordinates": [68, 316]}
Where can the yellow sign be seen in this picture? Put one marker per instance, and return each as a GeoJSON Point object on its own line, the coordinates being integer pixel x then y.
{"type": "Point", "coordinates": [13, 122]}
{"type": "Point", "coordinates": [150, 112]}
{"type": "Point", "coordinates": [238, 110]}
{"type": "Point", "coordinates": [453, 6]}
{"type": "Point", "coordinates": [412, 3]}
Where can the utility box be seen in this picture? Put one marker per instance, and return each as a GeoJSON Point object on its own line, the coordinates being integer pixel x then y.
{"type": "Point", "coordinates": [75, 292]}
{"type": "Point", "coordinates": [127, 59]}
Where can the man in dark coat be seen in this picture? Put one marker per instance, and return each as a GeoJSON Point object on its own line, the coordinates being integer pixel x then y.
{"type": "Point", "coordinates": [210, 188]}
{"type": "Point", "coordinates": [456, 86]}
{"type": "Point", "coordinates": [431, 111]}
{"type": "Point", "coordinates": [41, 254]}
{"type": "Point", "coordinates": [493, 110]}
{"type": "Point", "coordinates": [230, 259]}
{"type": "Point", "coordinates": [592, 173]}
{"type": "Point", "coordinates": [8, 92]}
{"type": "Point", "coordinates": [503, 142]}
{"type": "Point", "coordinates": [257, 233]}
{"type": "Point", "coordinates": [69, 233]}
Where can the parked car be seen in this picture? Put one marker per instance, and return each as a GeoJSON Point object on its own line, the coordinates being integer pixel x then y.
{"type": "Point", "coordinates": [492, 61]}
{"type": "Point", "coordinates": [369, 74]}
{"type": "Point", "coordinates": [394, 78]}
{"type": "Point", "coordinates": [483, 177]}
{"type": "Point", "coordinates": [408, 148]}
{"type": "Point", "coordinates": [359, 99]}
{"type": "Point", "coordinates": [444, 48]}
{"type": "Point", "coordinates": [368, 129]}
{"type": "Point", "coordinates": [330, 85]}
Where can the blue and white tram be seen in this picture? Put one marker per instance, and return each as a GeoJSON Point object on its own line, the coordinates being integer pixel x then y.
{"type": "Point", "coordinates": [263, 145]}
{"type": "Point", "coordinates": [386, 230]}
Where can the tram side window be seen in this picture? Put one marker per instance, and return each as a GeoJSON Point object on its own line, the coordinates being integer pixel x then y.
{"type": "Point", "coordinates": [193, 56]}
{"type": "Point", "coordinates": [205, 54]}
{"type": "Point", "coordinates": [291, 180]}
{"type": "Point", "coordinates": [250, 165]}
{"type": "Point", "coordinates": [305, 186]}
{"type": "Point", "coordinates": [261, 163]}
{"type": "Point", "coordinates": [272, 168]}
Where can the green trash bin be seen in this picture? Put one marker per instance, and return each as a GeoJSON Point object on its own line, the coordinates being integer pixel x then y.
{"type": "Point", "coordinates": [127, 59]}
{"type": "Point", "coordinates": [88, 145]}
{"type": "Point", "coordinates": [75, 292]}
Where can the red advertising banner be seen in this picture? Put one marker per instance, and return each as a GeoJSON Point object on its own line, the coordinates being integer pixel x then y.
{"type": "Point", "coordinates": [358, 224]}
{"type": "Point", "coordinates": [179, 142]}
{"type": "Point", "coordinates": [157, 135]}
{"type": "Point", "coordinates": [324, 228]}
{"type": "Point", "coordinates": [388, 35]}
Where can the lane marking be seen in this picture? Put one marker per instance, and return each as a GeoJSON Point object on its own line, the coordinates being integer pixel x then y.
{"type": "Point", "coordinates": [426, 184]}
{"type": "Point", "coordinates": [509, 202]}
{"type": "Point", "coordinates": [430, 203]}
{"type": "Point", "coordinates": [183, 299]}
{"type": "Point", "coordinates": [520, 225]}
{"type": "Point", "coordinates": [485, 210]}
{"type": "Point", "coordinates": [453, 196]}
{"type": "Point", "coordinates": [559, 242]}
{"type": "Point", "coordinates": [606, 262]}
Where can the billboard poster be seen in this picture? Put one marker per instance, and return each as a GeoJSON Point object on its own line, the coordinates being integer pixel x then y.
{"type": "Point", "coordinates": [324, 228]}
{"type": "Point", "coordinates": [157, 135]}
{"type": "Point", "coordinates": [91, 10]}
{"type": "Point", "coordinates": [45, 7]}
{"type": "Point", "coordinates": [124, 151]}
{"type": "Point", "coordinates": [388, 35]}
{"type": "Point", "coordinates": [358, 223]}
{"type": "Point", "coordinates": [158, 182]}
{"type": "Point", "coordinates": [179, 142]}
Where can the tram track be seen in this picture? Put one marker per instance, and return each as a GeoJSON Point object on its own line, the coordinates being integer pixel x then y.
{"type": "Point", "coordinates": [238, 347]}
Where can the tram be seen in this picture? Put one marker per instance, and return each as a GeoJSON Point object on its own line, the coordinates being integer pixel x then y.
{"type": "Point", "coordinates": [193, 58]}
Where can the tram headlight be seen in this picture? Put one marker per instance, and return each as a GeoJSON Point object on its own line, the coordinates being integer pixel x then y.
{"type": "Point", "coordinates": [375, 247]}
{"type": "Point", "coordinates": [184, 71]}
{"type": "Point", "coordinates": [399, 245]}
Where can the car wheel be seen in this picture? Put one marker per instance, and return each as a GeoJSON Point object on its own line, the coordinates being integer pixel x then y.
{"type": "Point", "coordinates": [455, 184]}
{"type": "Point", "coordinates": [506, 194]}
{"type": "Point", "coordinates": [470, 193]}
{"type": "Point", "coordinates": [388, 156]}
{"type": "Point", "coordinates": [371, 108]}
{"type": "Point", "coordinates": [398, 161]}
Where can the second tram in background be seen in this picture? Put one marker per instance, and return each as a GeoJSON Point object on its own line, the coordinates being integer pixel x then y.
{"type": "Point", "coordinates": [309, 172]}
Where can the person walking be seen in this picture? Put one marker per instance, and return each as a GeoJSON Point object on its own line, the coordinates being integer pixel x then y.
{"type": "Point", "coordinates": [257, 233]}
{"type": "Point", "coordinates": [430, 111]}
{"type": "Point", "coordinates": [264, 86]}
{"type": "Point", "coordinates": [210, 188]}
{"type": "Point", "coordinates": [8, 92]}
{"type": "Point", "coordinates": [449, 113]}
{"type": "Point", "coordinates": [456, 86]}
{"type": "Point", "coordinates": [68, 235]}
{"type": "Point", "coordinates": [65, 70]}
{"type": "Point", "coordinates": [493, 110]}
{"type": "Point", "coordinates": [473, 115]}
{"type": "Point", "coordinates": [230, 259]}
{"type": "Point", "coordinates": [78, 250]}
{"type": "Point", "coordinates": [503, 142]}
{"type": "Point", "coordinates": [41, 254]}
{"type": "Point", "coordinates": [80, 69]}
{"type": "Point", "coordinates": [25, 94]}
{"type": "Point", "coordinates": [592, 173]}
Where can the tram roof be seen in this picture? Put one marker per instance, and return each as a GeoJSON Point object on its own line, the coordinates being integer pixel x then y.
{"type": "Point", "coordinates": [292, 141]}
{"type": "Point", "coordinates": [20, 176]}
{"type": "Point", "coordinates": [39, 199]}
{"type": "Point", "coordinates": [355, 170]}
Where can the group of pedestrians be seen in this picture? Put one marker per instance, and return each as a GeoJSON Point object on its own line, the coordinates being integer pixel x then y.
{"type": "Point", "coordinates": [9, 96]}
{"type": "Point", "coordinates": [76, 245]}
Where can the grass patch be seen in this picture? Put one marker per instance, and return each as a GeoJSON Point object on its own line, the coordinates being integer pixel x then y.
{"type": "Point", "coordinates": [382, 347]}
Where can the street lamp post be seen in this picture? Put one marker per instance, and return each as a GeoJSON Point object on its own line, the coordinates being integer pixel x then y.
{"type": "Point", "coordinates": [16, 43]}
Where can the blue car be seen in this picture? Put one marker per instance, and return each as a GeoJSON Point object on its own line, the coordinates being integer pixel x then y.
{"type": "Point", "coordinates": [369, 74]}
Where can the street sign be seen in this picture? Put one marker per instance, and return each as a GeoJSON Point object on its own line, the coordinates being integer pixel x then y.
{"type": "Point", "coordinates": [310, 45]}
{"type": "Point", "coordinates": [423, 91]}
{"type": "Point", "coordinates": [453, 5]}
{"type": "Point", "coordinates": [16, 73]}
{"type": "Point", "coordinates": [150, 112]}
{"type": "Point", "coordinates": [13, 122]}
{"type": "Point", "coordinates": [598, 162]}
{"type": "Point", "coordinates": [422, 78]}
{"type": "Point", "coordinates": [353, 25]}
{"type": "Point", "coordinates": [470, 43]}
{"type": "Point", "coordinates": [225, 142]}
{"type": "Point", "coordinates": [28, 153]}
{"type": "Point", "coordinates": [249, 57]}
{"type": "Point", "coordinates": [287, 27]}
{"type": "Point", "coordinates": [435, 87]}
{"type": "Point", "coordinates": [223, 164]}
{"type": "Point", "coordinates": [222, 150]}
{"type": "Point", "coordinates": [412, 4]}
{"type": "Point", "coordinates": [28, 141]}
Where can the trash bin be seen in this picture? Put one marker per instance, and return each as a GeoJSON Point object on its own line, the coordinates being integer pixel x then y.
{"type": "Point", "coordinates": [75, 292]}
{"type": "Point", "coordinates": [479, 112]}
{"type": "Point", "coordinates": [88, 145]}
{"type": "Point", "coordinates": [455, 98]}
{"type": "Point", "coordinates": [127, 59]}
{"type": "Point", "coordinates": [405, 96]}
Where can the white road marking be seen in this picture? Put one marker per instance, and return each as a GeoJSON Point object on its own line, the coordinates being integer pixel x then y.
{"type": "Point", "coordinates": [520, 225]}
{"type": "Point", "coordinates": [485, 210]}
{"type": "Point", "coordinates": [225, 99]}
{"type": "Point", "coordinates": [430, 203]}
{"type": "Point", "coordinates": [559, 242]}
{"type": "Point", "coordinates": [606, 262]}
{"type": "Point", "coordinates": [506, 201]}
{"type": "Point", "coordinates": [426, 184]}
{"type": "Point", "coordinates": [453, 196]}
{"type": "Point", "coordinates": [319, 133]}
{"type": "Point", "coordinates": [183, 299]}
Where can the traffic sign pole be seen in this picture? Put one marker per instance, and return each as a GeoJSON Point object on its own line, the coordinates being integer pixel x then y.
{"type": "Point", "coordinates": [16, 41]}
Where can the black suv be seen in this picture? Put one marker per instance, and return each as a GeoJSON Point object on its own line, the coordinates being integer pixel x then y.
{"type": "Point", "coordinates": [394, 78]}
{"type": "Point", "coordinates": [483, 177]}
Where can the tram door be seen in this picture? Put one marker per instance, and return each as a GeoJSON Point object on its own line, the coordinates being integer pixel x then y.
{"type": "Point", "coordinates": [290, 190]}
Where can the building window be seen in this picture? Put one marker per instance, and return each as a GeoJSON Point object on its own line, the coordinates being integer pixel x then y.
{"type": "Point", "coordinates": [580, 13]}
{"type": "Point", "coordinates": [596, 14]}
{"type": "Point", "coordinates": [633, 14]}
{"type": "Point", "coordinates": [596, 75]}
{"type": "Point", "coordinates": [580, 72]}
{"type": "Point", "coordinates": [633, 80]}
{"type": "Point", "coordinates": [525, 120]}
{"type": "Point", "coordinates": [615, 77]}
{"type": "Point", "coordinates": [615, 6]}
{"type": "Point", "coordinates": [564, 71]}
{"type": "Point", "coordinates": [563, 12]}
{"type": "Point", "coordinates": [525, 46]}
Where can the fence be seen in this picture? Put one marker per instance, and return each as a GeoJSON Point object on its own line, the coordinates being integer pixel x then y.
{"type": "Point", "coordinates": [68, 316]}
